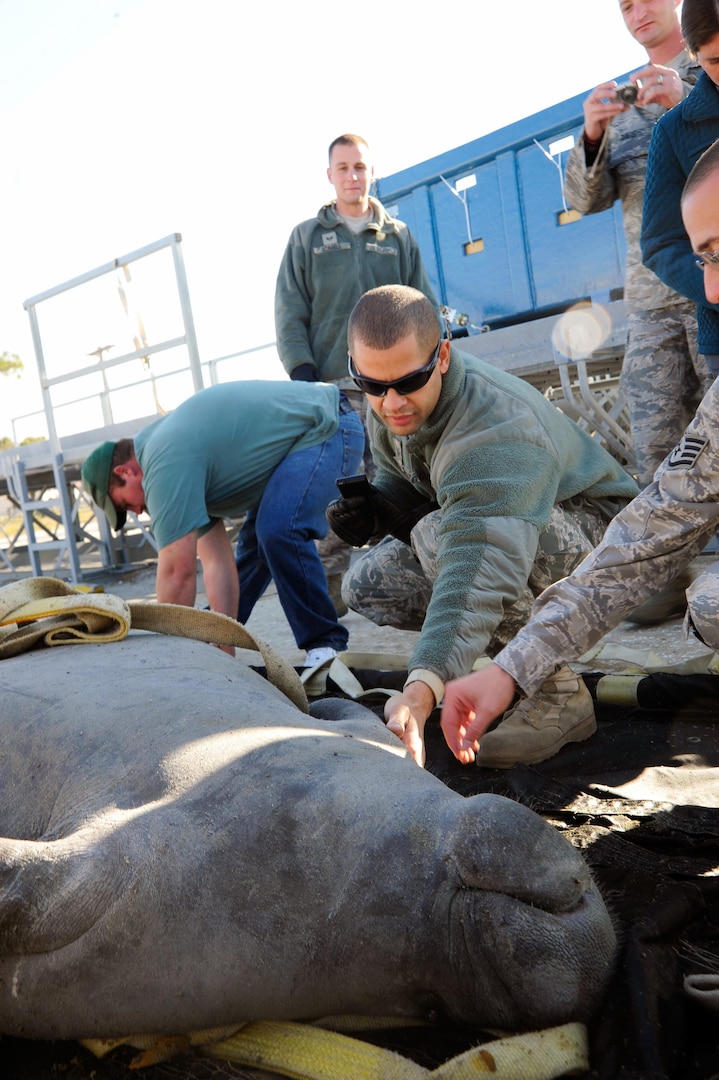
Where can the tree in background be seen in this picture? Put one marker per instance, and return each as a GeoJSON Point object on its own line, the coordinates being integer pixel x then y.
{"type": "Point", "coordinates": [10, 364]}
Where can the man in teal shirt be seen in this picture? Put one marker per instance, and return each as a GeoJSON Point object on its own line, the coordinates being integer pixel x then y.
{"type": "Point", "coordinates": [268, 450]}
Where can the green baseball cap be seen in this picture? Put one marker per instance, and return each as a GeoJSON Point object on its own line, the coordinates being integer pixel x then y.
{"type": "Point", "coordinates": [96, 471]}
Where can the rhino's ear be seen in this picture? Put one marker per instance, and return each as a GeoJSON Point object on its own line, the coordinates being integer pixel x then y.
{"type": "Point", "coordinates": [53, 892]}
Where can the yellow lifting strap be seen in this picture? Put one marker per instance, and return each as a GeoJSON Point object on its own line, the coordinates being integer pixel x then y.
{"type": "Point", "coordinates": [308, 1052]}
{"type": "Point", "coordinates": [50, 612]}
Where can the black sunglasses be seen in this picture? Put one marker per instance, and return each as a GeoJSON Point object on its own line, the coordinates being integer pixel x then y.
{"type": "Point", "coordinates": [408, 384]}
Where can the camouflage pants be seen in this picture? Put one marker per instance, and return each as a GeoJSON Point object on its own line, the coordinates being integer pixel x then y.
{"type": "Point", "coordinates": [335, 553]}
{"type": "Point", "coordinates": [392, 583]}
{"type": "Point", "coordinates": [703, 601]}
{"type": "Point", "coordinates": [663, 380]}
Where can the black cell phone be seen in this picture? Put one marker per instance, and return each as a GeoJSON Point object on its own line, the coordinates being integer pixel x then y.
{"type": "Point", "coordinates": [350, 486]}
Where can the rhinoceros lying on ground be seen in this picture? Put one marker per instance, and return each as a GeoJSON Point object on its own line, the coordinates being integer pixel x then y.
{"type": "Point", "coordinates": [183, 848]}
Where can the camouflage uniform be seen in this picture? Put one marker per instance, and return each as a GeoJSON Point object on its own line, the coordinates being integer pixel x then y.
{"type": "Point", "coordinates": [663, 378]}
{"type": "Point", "coordinates": [393, 584]}
{"type": "Point", "coordinates": [645, 547]}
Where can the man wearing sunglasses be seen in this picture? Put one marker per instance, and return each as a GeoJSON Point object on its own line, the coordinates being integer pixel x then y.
{"type": "Point", "coordinates": [520, 495]}
{"type": "Point", "coordinates": [644, 548]}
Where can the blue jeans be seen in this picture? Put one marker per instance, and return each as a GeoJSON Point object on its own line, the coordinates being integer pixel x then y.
{"type": "Point", "coordinates": [277, 540]}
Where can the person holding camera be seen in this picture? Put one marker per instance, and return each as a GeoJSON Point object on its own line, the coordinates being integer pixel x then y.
{"type": "Point", "coordinates": [484, 494]}
{"type": "Point", "coordinates": [663, 378]}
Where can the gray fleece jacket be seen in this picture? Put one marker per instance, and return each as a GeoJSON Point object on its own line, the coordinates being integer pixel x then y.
{"type": "Point", "coordinates": [497, 457]}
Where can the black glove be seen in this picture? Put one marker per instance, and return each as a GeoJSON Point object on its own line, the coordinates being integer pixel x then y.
{"type": "Point", "coordinates": [354, 520]}
{"type": "Point", "coordinates": [304, 373]}
{"type": "Point", "coordinates": [362, 518]}
{"type": "Point", "coordinates": [399, 523]}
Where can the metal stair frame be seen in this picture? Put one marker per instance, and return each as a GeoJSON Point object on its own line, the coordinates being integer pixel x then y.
{"type": "Point", "coordinates": [64, 507]}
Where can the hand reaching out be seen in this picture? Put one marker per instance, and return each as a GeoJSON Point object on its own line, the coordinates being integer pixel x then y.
{"type": "Point", "coordinates": [470, 705]}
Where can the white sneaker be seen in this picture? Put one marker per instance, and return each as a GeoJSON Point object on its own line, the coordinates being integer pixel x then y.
{"type": "Point", "coordinates": [319, 656]}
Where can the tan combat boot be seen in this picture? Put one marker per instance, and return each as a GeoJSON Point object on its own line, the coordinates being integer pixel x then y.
{"type": "Point", "coordinates": [560, 712]}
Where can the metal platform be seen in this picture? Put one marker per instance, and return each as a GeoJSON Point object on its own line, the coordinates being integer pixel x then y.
{"type": "Point", "coordinates": [46, 491]}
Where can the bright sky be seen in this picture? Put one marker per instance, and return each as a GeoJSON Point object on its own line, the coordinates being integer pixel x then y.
{"type": "Point", "coordinates": [123, 121]}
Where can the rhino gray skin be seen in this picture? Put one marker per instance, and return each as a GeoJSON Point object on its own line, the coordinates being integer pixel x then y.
{"type": "Point", "coordinates": [182, 848]}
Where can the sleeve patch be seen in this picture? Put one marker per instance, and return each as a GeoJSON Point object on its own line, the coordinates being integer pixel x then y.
{"type": "Point", "coordinates": [685, 453]}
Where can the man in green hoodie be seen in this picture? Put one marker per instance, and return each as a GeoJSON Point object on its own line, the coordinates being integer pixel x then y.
{"type": "Point", "coordinates": [350, 246]}
{"type": "Point", "coordinates": [523, 495]}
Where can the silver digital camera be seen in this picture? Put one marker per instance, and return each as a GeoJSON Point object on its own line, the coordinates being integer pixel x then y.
{"type": "Point", "coordinates": [627, 94]}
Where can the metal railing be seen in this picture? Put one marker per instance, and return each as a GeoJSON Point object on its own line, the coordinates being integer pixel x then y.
{"type": "Point", "coordinates": [211, 369]}
{"type": "Point", "coordinates": [47, 487]}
